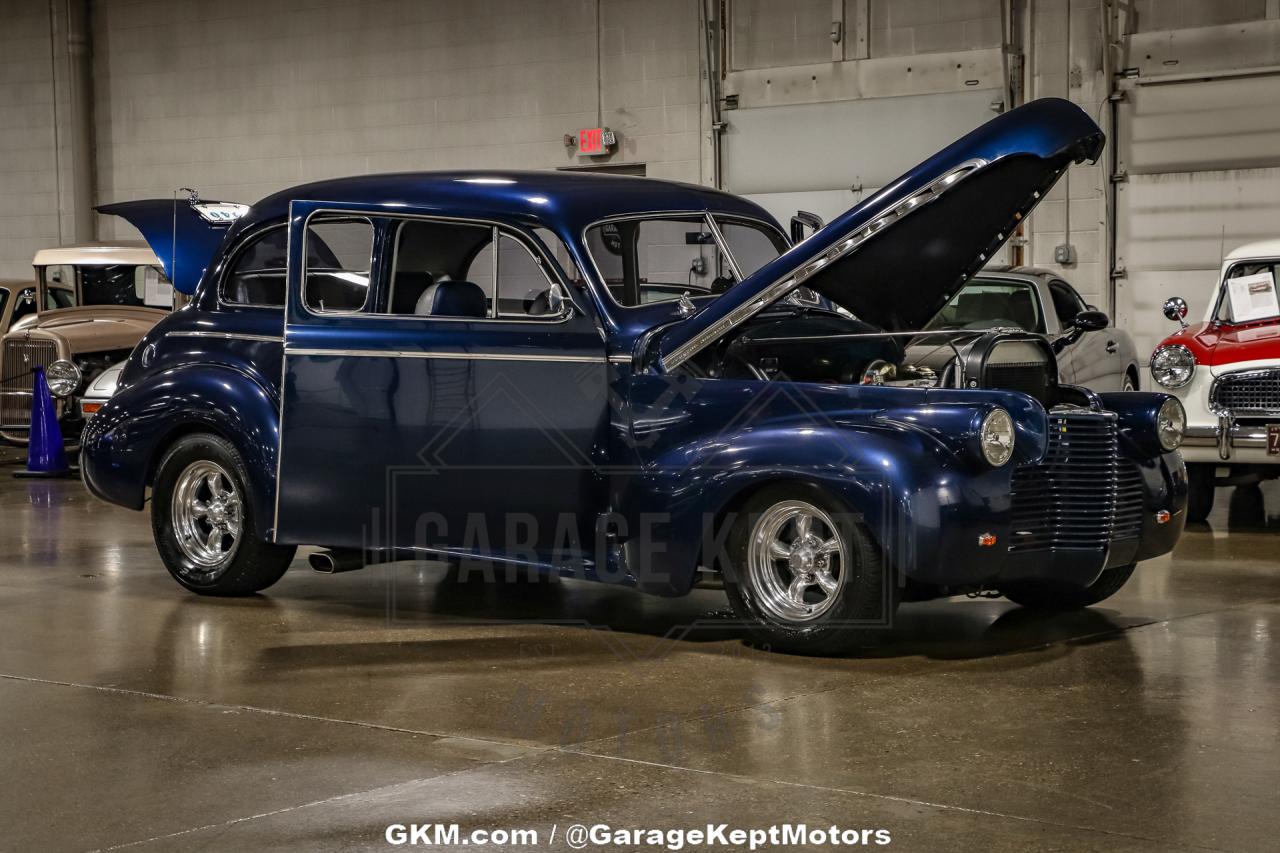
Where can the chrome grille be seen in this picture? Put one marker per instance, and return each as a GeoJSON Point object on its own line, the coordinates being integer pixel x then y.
{"type": "Point", "coordinates": [1249, 393]}
{"type": "Point", "coordinates": [17, 360]}
{"type": "Point", "coordinates": [1078, 497]}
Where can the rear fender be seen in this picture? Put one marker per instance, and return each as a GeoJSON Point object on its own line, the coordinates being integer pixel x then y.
{"type": "Point", "coordinates": [124, 441]}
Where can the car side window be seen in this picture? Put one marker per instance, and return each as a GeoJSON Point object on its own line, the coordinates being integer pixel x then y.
{"type": "Point", "coordinates": [257, 275]}
{"type": "Point", "coordinates": [449, 269]}
{"type": "Point", "coordinates": [339, 251]}
{"type": "Point", "coordinates": [1066, 302]}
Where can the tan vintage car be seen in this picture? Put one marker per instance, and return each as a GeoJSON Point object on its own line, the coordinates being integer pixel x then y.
{"type": "Point", "coordinates": [88, 307]}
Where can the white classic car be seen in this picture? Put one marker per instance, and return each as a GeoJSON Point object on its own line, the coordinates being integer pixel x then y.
{"type": "Point", "coordinates": [1226, 371]}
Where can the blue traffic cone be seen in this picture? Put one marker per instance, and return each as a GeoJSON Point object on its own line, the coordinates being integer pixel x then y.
{"type": "Point", "coordinates": [45, 454]}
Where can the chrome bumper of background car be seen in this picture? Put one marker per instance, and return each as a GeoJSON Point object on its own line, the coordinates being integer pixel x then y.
{"type": "Point", "coordinates": [1226, 436]}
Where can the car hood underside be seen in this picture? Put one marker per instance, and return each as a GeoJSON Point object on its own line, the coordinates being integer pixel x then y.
{"type": "Point", "coordinates": [895, 259]}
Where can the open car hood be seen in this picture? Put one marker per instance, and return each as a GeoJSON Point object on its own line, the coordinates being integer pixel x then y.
{"type": "Point", "coordinates": [183, 234]}
{"type": "Point", "coordinates": [895, 259]}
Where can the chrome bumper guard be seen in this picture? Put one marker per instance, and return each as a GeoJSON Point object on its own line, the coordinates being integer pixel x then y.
{"type": "Point", "coordinates": [1227, 436]}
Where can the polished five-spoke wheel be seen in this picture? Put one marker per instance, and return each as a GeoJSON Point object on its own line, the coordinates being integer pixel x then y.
{"type": "Point", "coordinates": [207, 513]}
{"type": "Point", "coordinates": [795, 560]}
{"type": "Point", "coordinates": [803, 573]}
{"type": "Point", "coordinates": [202, 514]}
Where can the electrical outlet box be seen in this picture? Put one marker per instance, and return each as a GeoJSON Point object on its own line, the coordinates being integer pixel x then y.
{"type": "Point", "coordinates": [699, 266]}
{"type": "Point", "coordinates": [1065, 254]}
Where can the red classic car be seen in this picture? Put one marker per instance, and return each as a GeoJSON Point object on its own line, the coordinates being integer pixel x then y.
{"type": "Point", "coordinates": [1226, 371]}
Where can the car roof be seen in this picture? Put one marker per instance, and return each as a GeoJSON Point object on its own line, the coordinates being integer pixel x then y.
{"type": "Point", "coordinates": [1260, 249]}
{"type": "Point", "coordinates": [1023, 271]}
{"type": "Point", "coordinates": [571, 200]}
{"type": "Point", "coordinates": [129, 252]}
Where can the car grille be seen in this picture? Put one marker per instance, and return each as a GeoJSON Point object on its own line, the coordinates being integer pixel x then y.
{"type": "Point", "coordinates": [1080, 496]}
{"type": "Point", "coordinates": [17, 361]}
{"type": "Point", "coordinates": [1249, 393]}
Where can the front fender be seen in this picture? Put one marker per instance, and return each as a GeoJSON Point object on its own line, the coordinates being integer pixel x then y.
{"type": "Point", "coordinates": [123, 442]}
{"type": "Point", "coordinates": [895, 478]}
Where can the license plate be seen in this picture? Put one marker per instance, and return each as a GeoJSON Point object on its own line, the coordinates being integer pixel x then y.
{"type": "Point", "coordinates": [1273, 439]}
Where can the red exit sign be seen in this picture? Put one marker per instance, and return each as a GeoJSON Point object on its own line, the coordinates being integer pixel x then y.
{"type": "Point", "coordinates": [596, 140]}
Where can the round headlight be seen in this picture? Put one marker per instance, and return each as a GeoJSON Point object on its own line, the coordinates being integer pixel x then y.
{"type": "Point", "coordinates": [996, 437]}
{"type": "Point", "coordinates": [63, 378]}
{"type": "Point", "coordinates": [1172, 366]}
{"type": "Point", "coordinates": [1171, 423]}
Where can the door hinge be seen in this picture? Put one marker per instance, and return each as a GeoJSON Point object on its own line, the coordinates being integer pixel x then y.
{"type": "Point", "coordinates": [1119, 272]}
{"type": "Point", "coordinates": [1120, 177]}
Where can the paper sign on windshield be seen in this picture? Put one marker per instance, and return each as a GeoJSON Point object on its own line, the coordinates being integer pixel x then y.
{"type": "Point", "coordinates": [1253, 297]}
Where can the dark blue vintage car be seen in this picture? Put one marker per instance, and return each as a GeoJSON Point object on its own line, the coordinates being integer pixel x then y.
{"type": "Point", "coordinates": [634, 381]}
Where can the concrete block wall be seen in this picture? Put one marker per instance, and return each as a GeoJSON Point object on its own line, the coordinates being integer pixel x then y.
{"type": "Point", "coordinates": [239, 100]}
{"type": "Point", "coordinates": [28, 160]}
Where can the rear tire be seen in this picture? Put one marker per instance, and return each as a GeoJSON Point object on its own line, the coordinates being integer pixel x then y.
{"type": "Point", "coordinates": [1047, 595]}
{"type": "Point", "coordinates": [204, 524]}
{"type": "Point", "coordinates": [1200, 491]}
{"type": "Point", "coordinates": [804, 575]}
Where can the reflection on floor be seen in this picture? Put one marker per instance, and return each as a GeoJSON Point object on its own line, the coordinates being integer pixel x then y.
{"type": "Point", "coordinates": [317, 714]}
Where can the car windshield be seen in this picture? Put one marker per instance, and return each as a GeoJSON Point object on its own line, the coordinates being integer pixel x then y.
{"type": "Point", "coordinates": [111, 284]}
{"type": "Point", "coordinates": [1249, 293]}
{"type": "Point", "coordinates": [985, 303]}
{"type": "Point", "coordinates": [657, 259]}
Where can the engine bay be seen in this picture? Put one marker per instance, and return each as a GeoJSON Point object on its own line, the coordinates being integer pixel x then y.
{"type": "Point", "coordinates": [800, 344]}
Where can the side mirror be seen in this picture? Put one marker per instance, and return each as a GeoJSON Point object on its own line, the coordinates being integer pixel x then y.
{"type": "Point", "coordinates": [556, 305]}
{"type": "Point", "coordinates": [1175, 308]}
{"type": "Point", "coordinates": [1090, 321]}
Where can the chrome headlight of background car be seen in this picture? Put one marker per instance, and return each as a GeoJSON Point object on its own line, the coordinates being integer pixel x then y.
{"type": "Point", "coordinates": [996, 437]}
{"type": "Point", "coordinates": [1172, 366]}
{"type": "Point", "coordinates": [63, 378]}
{"type": "Point", "coordinates": [1171, 423]}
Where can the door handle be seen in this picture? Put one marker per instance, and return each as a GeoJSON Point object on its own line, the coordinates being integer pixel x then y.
{"type": "Point", "coordinates": [1112, 347]}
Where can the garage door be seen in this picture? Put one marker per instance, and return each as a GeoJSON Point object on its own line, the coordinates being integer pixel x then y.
{"type": "Point", "coordinates": [827, 157]}
{"type": "Point", "coordinates": [1202, 159]}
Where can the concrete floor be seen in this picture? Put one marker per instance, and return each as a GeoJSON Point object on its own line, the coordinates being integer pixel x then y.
{"type": "Point", "coordinates": [133, 714]}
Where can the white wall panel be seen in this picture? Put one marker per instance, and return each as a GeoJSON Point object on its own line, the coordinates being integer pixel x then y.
{"type": "Point", "coordinates": [842, 144]}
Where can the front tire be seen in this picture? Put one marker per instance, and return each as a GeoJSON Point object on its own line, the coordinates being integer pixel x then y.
{"type": "Point", "coordinates": [1047, 595]}
{"type": "Point", "coordinates": [204, 525]}
{"type": "Point", "coordinates": [1199, 491]}
{"type": "Point", "coordinates": [804, 575]}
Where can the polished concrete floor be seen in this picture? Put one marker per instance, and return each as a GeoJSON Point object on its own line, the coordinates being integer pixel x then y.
{"type": "Point", "coordinates": [135, 715]}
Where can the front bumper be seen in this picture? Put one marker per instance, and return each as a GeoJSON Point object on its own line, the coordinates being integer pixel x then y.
{"type": "Point", "coordinates": [1228, 441]}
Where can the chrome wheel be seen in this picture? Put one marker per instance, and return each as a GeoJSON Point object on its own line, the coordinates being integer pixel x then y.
{"type": "Point", "coordinates": [795, 559]}
{"type": "Point", "coordinates": [1129, 384]}
{"type": "Point", "coordinates": [207, 516]}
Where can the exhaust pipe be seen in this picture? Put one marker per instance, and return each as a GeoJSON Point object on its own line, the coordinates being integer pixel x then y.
{"type": "Point", "coordinates": [338, 560]}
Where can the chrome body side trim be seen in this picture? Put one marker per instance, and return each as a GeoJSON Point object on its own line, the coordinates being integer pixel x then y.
{"type": "Point", "coordinates": [229, 336]}
{"type": "Point", "coordinates": [457, 356]}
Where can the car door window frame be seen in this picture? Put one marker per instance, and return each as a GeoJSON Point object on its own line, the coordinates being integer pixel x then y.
{"type": "Point", "coordinates": [370, 291]}
{"type": "Point", "coordinates": [386, 281]}
{"type": "Point", "coordinates": [1073, 293]}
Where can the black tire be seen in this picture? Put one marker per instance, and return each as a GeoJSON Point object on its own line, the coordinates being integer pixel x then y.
{"type": "Point", "coordinates": [1047, 595]}
{"type": "Point", "coordinates": [1200, 491]}
{"type": "Point", "coordinates": [250, 564]}
{"type": "Point", "coordinates": [864, 599]}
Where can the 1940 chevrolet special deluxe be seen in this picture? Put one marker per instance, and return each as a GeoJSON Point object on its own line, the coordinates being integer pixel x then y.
{"type": "Point", "coordinates": [635, 381]}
